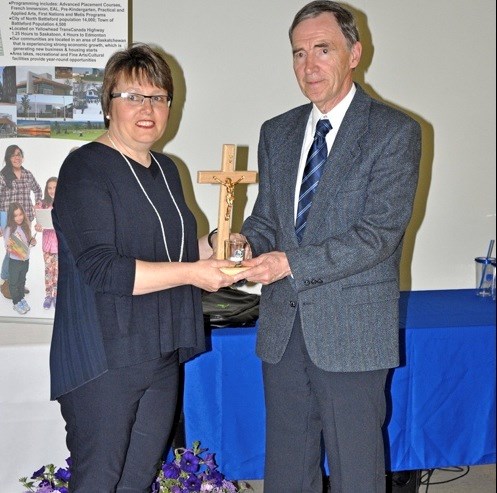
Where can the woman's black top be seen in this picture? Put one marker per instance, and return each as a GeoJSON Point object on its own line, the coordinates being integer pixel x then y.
{"type": "Point", "coordinates": [104, 223]}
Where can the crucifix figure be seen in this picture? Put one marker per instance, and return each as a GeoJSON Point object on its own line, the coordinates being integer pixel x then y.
{"type": "Point", "coordinates": [228, 178]}
{"type": "Point", "coordinates": [230, 194]}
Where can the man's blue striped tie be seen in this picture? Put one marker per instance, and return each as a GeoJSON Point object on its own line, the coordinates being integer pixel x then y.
{"type": "Point", "coordinates": [318, 154]}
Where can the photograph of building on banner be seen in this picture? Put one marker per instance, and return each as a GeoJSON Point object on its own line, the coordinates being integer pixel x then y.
{"type": "Point", "coordinates": [51, 72]}
{"type": "Point", "coordinates": [56, 102]}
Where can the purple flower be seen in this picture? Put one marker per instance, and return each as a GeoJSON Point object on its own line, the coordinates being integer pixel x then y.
{"type": "Point", "coordinates": [155, 488]}
{"type": "Point", "coordinates": [177, 489]}
{"type": "Point", "coordinates": [229, 486]}
{"type": "Point", "coordinates": [216, 477]}
{"type": "Point", "coordinates": [63, 474]}
{"type": "Point", "coordinates": [62, 489]}
{"type": "Point", "coordinates": [209, 462]}
{"type": "Point", "coordinates": [171, 470]}
{"type": "Point", "coordinates": [189, 462]}
{"type": "Point", "coordinates": [192, 483]}
{"type": "Point", "coordinates": [38, 473]}
{"type": "Point", "coordinates": [45, 489]}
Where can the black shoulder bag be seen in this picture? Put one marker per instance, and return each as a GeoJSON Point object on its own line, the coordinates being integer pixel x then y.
{"type": "Point", "coordinates": [230, 307]}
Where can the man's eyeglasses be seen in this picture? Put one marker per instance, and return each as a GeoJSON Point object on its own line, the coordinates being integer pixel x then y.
{"type": "Point", "coordinates": [133, 99]}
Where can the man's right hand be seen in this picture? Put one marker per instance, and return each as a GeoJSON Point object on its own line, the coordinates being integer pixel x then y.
{"type": "Point", "coordinates": [265, 269]}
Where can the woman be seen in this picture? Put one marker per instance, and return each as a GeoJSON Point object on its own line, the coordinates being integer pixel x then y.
{"type": "Point", "coordinates": [16, 185]}
{"type": "Point", "coordinates": [128, 303]}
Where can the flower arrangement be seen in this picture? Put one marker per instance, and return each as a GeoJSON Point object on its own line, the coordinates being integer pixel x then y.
{"type": "Point", "coordinates": [47, 479]}
{"type": "Point", "coordinates": [191, 470]}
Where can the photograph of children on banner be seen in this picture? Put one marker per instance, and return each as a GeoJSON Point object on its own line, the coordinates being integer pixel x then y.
{"type": "Point", "coordinates": [28, 244]}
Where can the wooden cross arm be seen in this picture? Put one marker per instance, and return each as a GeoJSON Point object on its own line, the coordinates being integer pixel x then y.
{"type": "Point", "coordinates": [234, 176]}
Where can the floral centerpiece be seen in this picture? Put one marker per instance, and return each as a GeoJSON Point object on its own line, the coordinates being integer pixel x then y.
{"type": "Point", "coordinates": [48, 479]}
{"type": "Point", "coordinates": [191, 470]}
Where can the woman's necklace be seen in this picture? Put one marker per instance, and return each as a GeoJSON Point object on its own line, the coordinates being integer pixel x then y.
{"type": "Point", "coordinates": [152, 204]}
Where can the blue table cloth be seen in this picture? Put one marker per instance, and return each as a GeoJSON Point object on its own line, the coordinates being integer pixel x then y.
{"type": "Point", "coordinates": [442, 397]}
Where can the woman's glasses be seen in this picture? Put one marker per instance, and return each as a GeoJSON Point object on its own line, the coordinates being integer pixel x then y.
{"type": "Point", "coordinates": [133, 99]}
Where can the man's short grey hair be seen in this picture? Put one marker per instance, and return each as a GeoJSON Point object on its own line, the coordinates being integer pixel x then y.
{"type": "Point", "coordinates": [344, 17]}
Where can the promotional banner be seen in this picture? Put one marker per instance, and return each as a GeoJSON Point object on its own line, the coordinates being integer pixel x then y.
{"type": "Point", "coordinates": [52, 55]}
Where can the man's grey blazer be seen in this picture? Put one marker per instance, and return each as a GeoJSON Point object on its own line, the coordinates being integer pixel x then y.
{"type": "Point", "coordinates": [345, 273]}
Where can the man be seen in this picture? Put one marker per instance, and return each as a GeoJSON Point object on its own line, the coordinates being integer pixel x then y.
{"type": "Point", "coordinates": [327, 253]}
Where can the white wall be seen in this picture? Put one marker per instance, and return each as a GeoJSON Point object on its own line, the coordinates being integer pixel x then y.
{"type": "Point", "coordinates": [232, 62]}
{"type": "Point", "coordinates": [434, 59]}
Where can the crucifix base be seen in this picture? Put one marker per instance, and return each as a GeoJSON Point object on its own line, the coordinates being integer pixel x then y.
{"type": "Point", "coordinates": [232, 271]}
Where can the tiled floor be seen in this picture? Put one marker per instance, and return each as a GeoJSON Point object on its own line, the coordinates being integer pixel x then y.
{"type": "Point", "coordinates": [479, 479]}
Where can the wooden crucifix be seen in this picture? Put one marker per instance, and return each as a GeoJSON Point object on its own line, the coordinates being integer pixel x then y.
{"type": "Point", "coordinates": [228, 178]}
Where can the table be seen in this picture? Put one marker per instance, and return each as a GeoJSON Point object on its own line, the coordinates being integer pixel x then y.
{"type": "Point", "coordinates": [442, 409]}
